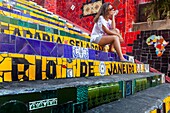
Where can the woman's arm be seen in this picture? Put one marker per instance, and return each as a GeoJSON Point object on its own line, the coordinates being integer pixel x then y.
{"type": "Point", "coordinates": [113, 22]}
{"type": "Point", "coordinates": [110, 32]}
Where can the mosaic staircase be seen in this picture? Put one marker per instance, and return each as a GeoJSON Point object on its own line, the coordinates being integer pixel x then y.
{"type": "Point", "coordinates": [47, 65]}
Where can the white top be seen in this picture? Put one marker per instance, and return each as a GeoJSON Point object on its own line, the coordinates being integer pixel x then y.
{"type": "Point", "coordinates": [97, 29]}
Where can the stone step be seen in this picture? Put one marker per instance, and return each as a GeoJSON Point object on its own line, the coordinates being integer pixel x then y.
{"type": "Point", "coordinates": [70, 94]}
{"type": "Point", "coordinates": [156, 98]}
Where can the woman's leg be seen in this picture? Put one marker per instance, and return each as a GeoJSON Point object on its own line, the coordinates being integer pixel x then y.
{"type": "Point", "coordinates": [114, 40]}
{"type": "Point", "coordinates": [118, 33]}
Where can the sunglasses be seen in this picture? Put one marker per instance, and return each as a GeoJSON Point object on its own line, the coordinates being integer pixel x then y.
{"type": "Point", "coordinates": [110, 9]}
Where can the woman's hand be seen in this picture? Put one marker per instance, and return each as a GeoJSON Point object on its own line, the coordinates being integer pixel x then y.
{"type": "Point", "coordinates": [115, 13]}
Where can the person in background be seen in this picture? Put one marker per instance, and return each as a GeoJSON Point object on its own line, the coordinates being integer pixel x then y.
{"type": "Point", "coordinates": [105, 32]}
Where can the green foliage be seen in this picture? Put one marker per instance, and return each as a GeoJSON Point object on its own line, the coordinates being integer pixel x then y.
{"type": "Point", "coordinates": [157, 10]}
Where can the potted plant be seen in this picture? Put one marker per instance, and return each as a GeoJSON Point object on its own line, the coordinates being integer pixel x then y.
{"type": "Point", "coordinates": [157, 10]}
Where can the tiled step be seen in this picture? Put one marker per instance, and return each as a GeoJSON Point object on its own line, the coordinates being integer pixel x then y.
{"type": "Point", "coordinates": [16, 44]}
{"type": "Point", "coordinates": [23, 67]}
{"type": "Point", "coordinates": [153, 100]}
{"type": "Point", "coordinates": [53, 26]}
{"type": "Point", "coordinates": [73, 95]}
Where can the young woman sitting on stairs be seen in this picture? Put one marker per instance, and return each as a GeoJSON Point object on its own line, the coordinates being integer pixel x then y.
{"type": "Point", "coordinates": [104, 31]}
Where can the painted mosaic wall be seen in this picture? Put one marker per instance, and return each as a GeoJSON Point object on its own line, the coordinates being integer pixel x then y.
{"type": "Point", "coordinates": [152, 47]}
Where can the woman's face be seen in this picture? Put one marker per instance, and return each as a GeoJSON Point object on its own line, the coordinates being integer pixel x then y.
{"type": "Point", "coordinates": [110, 10]}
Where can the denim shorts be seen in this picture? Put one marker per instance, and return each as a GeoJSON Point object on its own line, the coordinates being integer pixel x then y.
{"type": "Point", "coordinates": [95, 38]}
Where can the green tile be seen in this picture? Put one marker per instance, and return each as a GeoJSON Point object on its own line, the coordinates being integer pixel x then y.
{"type": "Point", "coordinates": [41, 27]}
{"type": "Point", "coordinates": [63, 33]}
{"type": "Point", "coordinates": [47, 29]}
{"type": "Point", "coordinates": [26, 24]}
{"type": "Point", "coordinates": [32, 25]}
{"type": "Point", "coordinates": [14, 21]}
{"type": "Point", "coordinates": [20, 23]}
{"type": "Point", "coordinates": [4, 19]}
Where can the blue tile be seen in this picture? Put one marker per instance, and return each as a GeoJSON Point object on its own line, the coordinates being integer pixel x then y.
{"type": "Point", "coordinates": [68, 51]}
{"type": "Point", "coordinates": [92, 55]}
{"type": "Point", "coordinates": [126, 57]}
{"type": "Point", "coordinates": [109, 54]}
{"type": "Point", "coordinates": [103, 56]}
{"type": "Point", "coordinates": [117, 57]}
{"type": "Point", "coordinates": [20, 43]}
{"type": "Point", "coordinates": [48, 45]}
{"type": "Point", "coordinates": [35, 44]}
{"type": "Point", "coordinates": [12, 39]}
{"type": "Point", "coordinates": [27, 49]}
{"type": "Point", "coordinates": [54, 52]}
{"type": "Point", "coordinates": [60, 52]}
{"type": "Point", "coordinates": [4, 38]}
{"type": "Point", "coordinates": [97, 54]}
{"type": "Point", "coordinates": [7, 48]}
{"type": "Point", "coordinates": [44, 51]}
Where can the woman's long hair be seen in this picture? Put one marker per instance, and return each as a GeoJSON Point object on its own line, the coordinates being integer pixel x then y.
{"type": "Point", "coordinates": [102, 11]}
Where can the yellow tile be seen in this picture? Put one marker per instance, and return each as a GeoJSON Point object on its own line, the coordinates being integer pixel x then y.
{"type": "Point", "coordinates": [14, 15]}
{"type": "Point", "coordinates": [16, 55]}
{"type": "Point", "coordinates": [74, 62]}
{"type": "Point", "coordinates": [6, 13]}
{"type": "Point", "coordinates": [4, 66]}
{"type": "Point", "coordinates": [32, 31]}
{"type": "Point", "coordinates": [74, 71]}
{"type": "Point", "coordinates": [78, 68]}
{"type": "Point", "coordinates": [6, 31]}
{"type": "Point", "coordinates": [59, 74]}
{"type": "Point", "coordinates": [1, 4]}
{"type": "Point", "coordinates": [51, 58]}
{"type": "Point", "coordinates": [69, 65]}
{"type": "Point", "coordinates": [24, 18]}
{"type": "Point", "coordinates": [1, 58]}
{"type": "Point", "coordinates": [4, 54]}
{"type": "Point", "coordinates": [153, 111]}
{"type": "Point", "coordinates": [64, 72]}
{"type": "Point", "coordinates": [107, 67]}
{"type": "Point", "coordinates": [7, 77]}
{"type": "Point", "coordinates": [12, 27]}
{"type": "Point", "coordinates": [134, 68]}
{"type": "Point", "coordinates": [38, 57]}
{"type": "Point", "coordinates": [20, 77]}
{"type": "Point", "coordinates": [20, 67]}
{"type": "Point", "coordinates": [19, 17]}
{"type": "Point", "coordinates": [96, 68]}
{"type": "Point", "coordinates": [4, 24]}
{"type": "Point", "coordinates": [32, 72]}
{"type": "Point", "coordinates": [44, 63]}
{"type": "Point", "coordinates": [59, 61]}
{"type": "Point", "coordinates": [1, 79]}
{"type": "Point", "coordinates": [44, 77]}
{"type": "Point", "coordinates": [30, 59]}
{"type": "Point", "coordinates": [24, 28]}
